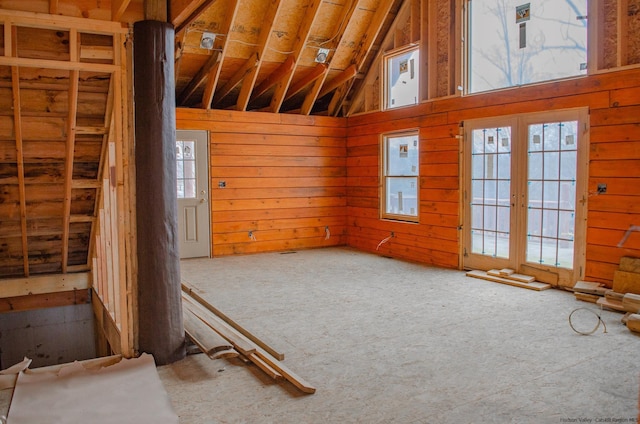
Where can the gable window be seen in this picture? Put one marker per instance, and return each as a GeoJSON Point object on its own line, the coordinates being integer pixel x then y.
{"type": "Point", "coordinates": [513, 42]}
{"type": "Point", "coordinates": [401, 78]}
{"type": "Point", "coordinates": [400, 174]}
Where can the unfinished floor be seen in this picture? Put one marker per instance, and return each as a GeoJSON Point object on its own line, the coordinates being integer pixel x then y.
{"type": "Point", "coordinates": [386, 341]}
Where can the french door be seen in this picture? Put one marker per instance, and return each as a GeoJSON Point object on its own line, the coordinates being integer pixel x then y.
{"type": "Point", "coordinates": [524, 194]}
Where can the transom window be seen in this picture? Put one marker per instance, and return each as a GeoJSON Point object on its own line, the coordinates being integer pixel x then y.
{"type": "Point", "coordinates": [401, 78]}
{"type": "Point", "coordinates": [512, 42]}
{"type": "Point", "coordinates": [400, 174]}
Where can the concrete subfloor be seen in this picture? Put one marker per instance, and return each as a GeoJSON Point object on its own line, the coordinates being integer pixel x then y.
{"type": "Point", "coordinates": [386, 341]}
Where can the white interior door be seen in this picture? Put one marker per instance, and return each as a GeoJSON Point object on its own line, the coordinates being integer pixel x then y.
{"type": "Point", "coordinates": [525, 201]}
{"type": "Point", "coordinates": [193, 193]}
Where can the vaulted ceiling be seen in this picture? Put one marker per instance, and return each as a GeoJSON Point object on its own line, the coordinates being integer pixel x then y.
{"type": "Point", "coordinates": [288, 56]}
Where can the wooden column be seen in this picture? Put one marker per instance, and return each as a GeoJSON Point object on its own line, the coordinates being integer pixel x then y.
{"type": "Point", "coordinates": [160, 325]}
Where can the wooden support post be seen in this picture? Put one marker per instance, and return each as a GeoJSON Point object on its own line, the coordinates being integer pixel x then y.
{"type": "Point", "coordinates": [160, 321]}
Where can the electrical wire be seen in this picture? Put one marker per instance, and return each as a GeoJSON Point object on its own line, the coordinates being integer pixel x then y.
{"type": "Point", "coordinates": [328, 233]}
{"type": "Point", "coordinates": [587, 333]}
{"type": "Point", "coordinates": [384, 241]}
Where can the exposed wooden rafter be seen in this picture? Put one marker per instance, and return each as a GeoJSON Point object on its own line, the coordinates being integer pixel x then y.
{"type": "Point", "coordinates": [214, 73]}
{"type": "Point", "coordinates": [182, 13]}
{"type": "Point", "coordinates": [364, 49]}
{"type": "Point", "coordinates": [53, 7]}
{"type": "Point", "coordinates": [274, 77]}
{"type": "Point", "coordinates": [263, 41]}
{"type": "Point", "coordinates": [335, 44]}
{"type": "Point", "coordinates": [118, 7]}
{"type": "Point", "coordinates": [236, 79]}
{"type": "Point", "coordinates": [198, 79]}
{"type": "Point", "coordinates": [301, 40]}
{"type": "Point", "coordinates": [319, 71]}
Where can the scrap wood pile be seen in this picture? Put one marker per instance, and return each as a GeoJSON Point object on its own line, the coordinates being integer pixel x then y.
{"type": "Point", "coordinates": [218, 336]}
{"type": "Point", "coordinates": [624, 296]}
{"type": "Point", "coordinates": [510, 277]}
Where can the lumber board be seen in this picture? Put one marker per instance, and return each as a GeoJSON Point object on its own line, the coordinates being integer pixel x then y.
{"type": "Point", "coordinates": [535, 285]}
{"type": "Point", "coordinates": [289, 375]}
{"type": "Point", "coordinates": [613, 295]}
{"type": "Point", "coordinates": [590, 287]}
{"type": "Point", "coordinates": [192, 291]}
{"type": "Point", "coordinates": [611, 304]}
{"type": "Point", "coordinates": [207, 339]}
{"type": "Point", "coordinates": [626, 282]}
{"type": "Point", "coordinates": [511, 275]}
{"type": "Point", "coordinates": [268, 369]}
{"type": "Point", "coordinates": [242, 345]}
{"type": "Point", "coordinates": [633, 322]}
{"type": "Point", "coordinates": [631, 302]}
{"type": "Point", "coordinates": [586, 297]}
{"type": "Point", "coordinates": [44, 284]}
{"type": "Point", "coordinates": [630, 264]}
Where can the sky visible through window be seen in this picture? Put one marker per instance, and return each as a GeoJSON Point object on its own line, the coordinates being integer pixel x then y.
{"type": "Point", "coordinates": [515, 43]}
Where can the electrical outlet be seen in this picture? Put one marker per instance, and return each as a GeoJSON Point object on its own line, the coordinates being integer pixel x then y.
{"type": "Point", "coordinates": [222, 184]}
{"type": "Point", "coordinates": [602, 188]}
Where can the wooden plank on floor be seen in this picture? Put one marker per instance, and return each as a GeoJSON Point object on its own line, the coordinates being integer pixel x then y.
{"type": "Point", "coordinates": [268, 369]}
{"type": "Point", "coordinates": [631, 302]}
{"type": "Point", "coordinates": [590, 287]}
{"type": "Point", "coordinates": [531, 286]}
{"type": "Point", "coordinates": [193, 292]}
{"type": "Point", "coordinates": [504, 273]}
{"type": "Point", "coordinates": [289, 375]}
{"type": "Point", "coordinates": [586, 297]}
{"type": "Point", "coordinates": [626, 282]}
{"type": "Point", "coordinates": [633, 322]}
{"type": "Point", "coordinates": [611, 304]}
{"type": "Point", "coordinates": [206, 338]}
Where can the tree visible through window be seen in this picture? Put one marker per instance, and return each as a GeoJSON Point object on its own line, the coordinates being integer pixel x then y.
{"type": "Point", "coordinates": [400, 176]}
{"type": "Point", "coordinates": [513, 42]}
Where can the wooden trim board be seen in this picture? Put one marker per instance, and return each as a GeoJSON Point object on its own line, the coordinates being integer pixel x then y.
{"type": "Point", "coordinates": [535, 285]}
{"type": "Point", "coordinates": [511, 275]}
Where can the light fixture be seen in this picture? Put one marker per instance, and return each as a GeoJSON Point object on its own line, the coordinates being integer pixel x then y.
{"type": "Point", "coordinates": [321, 56]}
{"type": "Point", "coordinates": [206, 41]}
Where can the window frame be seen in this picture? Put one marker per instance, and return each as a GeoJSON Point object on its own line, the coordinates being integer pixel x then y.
{"type": "Point", "coordinates": [384, 89]}
{"type": "Point", "coordinates": [384, 138]}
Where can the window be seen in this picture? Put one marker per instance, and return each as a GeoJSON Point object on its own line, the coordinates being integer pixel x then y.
{"type": "Point", "coordinates": [513, 42]}
{"type": "Point", "coordinates": [401, 78]}
{"type": "Point", "coordinates": [186, 169]}
{"type": "Point", "coordinates": [400, 173]}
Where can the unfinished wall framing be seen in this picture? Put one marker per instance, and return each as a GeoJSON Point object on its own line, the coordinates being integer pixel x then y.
{"type": "Point", "coordinates": [64, 133]}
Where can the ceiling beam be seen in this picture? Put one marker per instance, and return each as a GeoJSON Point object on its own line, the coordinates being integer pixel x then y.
{"type": "Point", "coordinates": [249, 81]}
{"type": "Point", "coordinates": [118, 7]}
{"type": "Point", "coordinates": [339, 80]}
{"type": "Point", "coordinates": [334, 45]}
{"type": "Point", "coordinates": [236, 79]}
{"type": "Point", "coordinates": [364, 48]}
{"type": "Point", "coordinates": [17, 129]}
{"type": "Point", "coordinates": [301, 40]}
{"type": "Point", "coordinates": [274, 77]}
{"type": "Point", "coordinates": [182, 11]}
{"type": "Point", "coordinates": [318, 71]}
{"type": "Point", "coordinates": [155, 10]}
{"type": "Point", "coordinates": [53, 7]}
{"type": "Point", "coordinates": [214, 73]}
{"type": "Point", "coordinates": [198, 79]}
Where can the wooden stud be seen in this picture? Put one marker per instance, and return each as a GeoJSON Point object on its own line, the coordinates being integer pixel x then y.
{"type": "Point", "coordinates": [198, 79]}
{"type": "Point", "coordinates": [214, 73]}
{"type": "Point", "coordinates": [301, 40]}
{"type": "Point", "coordinates": [184, 12]}
{"type": "Point", "coordinates": [623, 32]}
{"type": "Point", "coordinates": [342, 78]}
{"type": "Point", "coordinates": [118, 7]}
{"type": "Point", "coordinates": [41, 20]}
{"type": "Point", "coordinates": [53, 7]}
{"type": "Point", "coordinates": [249, 81]}
{"type": "Point", "coordinates": [69, 155]}
{"type": "Point", "coordinates": [43, 284]}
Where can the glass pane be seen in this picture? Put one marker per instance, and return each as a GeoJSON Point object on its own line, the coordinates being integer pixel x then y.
{"type": "Point", "coordinates": [535, 166]}
{"type": "Point", "coordinates": [568, 196]}
{"type": "Point", "coordinates": [490, 192]}
{"type": "Point", "coordinates": [504, 195]}
{"type": "Point", "coordinates": [504, 166]}
{"type": "Point", "coordinates": [550, 195]}
{"type": "Point", "coordinates": [402, 155]}
{"type": "Point", "coordinates": [189, 169]}
{"type": "Point", "coordinates": [551, 165]}
{"type": "Point", "coordinates": [180, 189]}
{"type": "Point", "coordinates": [402, 196]}
{"type": "Point", "coordinates": [535, 194]}
{"type": "Point", "coordinates": [477, 237]}
{"type": "Point", "coordinates": [189, 150]}
{"type": "Point", "coordinates": [179, 150]}
{"type": "Point", "coordinates": [534, 222]}
{"type": "Point", "coordinates": [503, 219]}
{"type": "Point", "coordinates": [568, 163]}
{"type": "Point", "coordinates": [180, 169]}
{"type": "Point", "coordinates": [566, 225]}
{"type": "Point", "coordinates": [190, 188]}
{"type": "Point", "coordinates": [550, 223]}
{"type": "Point", "coordinates": [402, 79]}
{"type": "Point", "coordinates": [514, 42]}
{"type": "Point", "coordinates": [534, 249]}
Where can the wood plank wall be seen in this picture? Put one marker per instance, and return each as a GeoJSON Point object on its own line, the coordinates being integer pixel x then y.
{"type": "Point", "coordinates": [285, 179]}
{"type": "Point", "coordinates": [614, 102]}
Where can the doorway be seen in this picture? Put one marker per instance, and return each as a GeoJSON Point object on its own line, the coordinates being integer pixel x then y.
{"type": "Point", "coordinates": [525, 199]}
{"type": "Point", "coordinates": [193, 193]}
